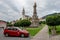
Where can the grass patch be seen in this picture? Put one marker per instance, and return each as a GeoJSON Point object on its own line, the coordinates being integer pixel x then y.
{"type": "Point", "coordinates": [34, 31]}
{"type": "Point", "coordinates": [58, 29]}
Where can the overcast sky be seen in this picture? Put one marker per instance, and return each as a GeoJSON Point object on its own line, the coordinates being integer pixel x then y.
{"type": "Point", "coordinates": [12, 9]}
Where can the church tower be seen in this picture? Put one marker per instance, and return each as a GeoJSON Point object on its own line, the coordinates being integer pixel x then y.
{"type": "Point", "coordinates": [35, 20]}
{"type": "Point", "coordinates": [23, 13]}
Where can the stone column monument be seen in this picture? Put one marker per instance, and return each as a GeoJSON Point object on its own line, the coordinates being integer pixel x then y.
{"type": "Point", "coordinates": [35, 20]}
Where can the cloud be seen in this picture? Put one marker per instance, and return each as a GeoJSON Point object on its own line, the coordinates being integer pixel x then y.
{"type": "Point", "coordinates": [50, 7]}
{"type": "Point", "coordinates": [11, 4]}
{"type": "Point", "coordinates": [12, 9]}
{"type": "Point", "coordinates": [7, 13]}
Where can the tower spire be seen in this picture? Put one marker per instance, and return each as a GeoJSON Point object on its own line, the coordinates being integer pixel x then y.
{"type": "Point", "coordinates": [34, 3]}
{"type": "Point", "coordinates": [35, 12]}
{"type": "Point", "coordinates": [23, 11]}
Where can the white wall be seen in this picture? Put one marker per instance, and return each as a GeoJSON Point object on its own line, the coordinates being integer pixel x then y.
{"type": "Point", "coordinates": [3, 25]}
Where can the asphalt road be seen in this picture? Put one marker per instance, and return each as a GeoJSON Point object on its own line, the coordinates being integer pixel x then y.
{"type": "Point", "coordinates": [2, 37]}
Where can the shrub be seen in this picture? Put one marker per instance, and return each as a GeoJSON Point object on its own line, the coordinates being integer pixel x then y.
{"type": "Point", "coordinates": [42, 22]}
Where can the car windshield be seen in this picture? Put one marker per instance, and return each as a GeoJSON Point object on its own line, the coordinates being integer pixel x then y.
{"type": "Point", "coordinates": [19, 29]}
{"type": "Point", "coordinates": [14, 28]}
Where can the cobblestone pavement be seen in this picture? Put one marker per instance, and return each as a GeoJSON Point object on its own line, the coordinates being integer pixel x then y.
{"type": "Point", "coordinates": [57, 37]}
{"type": "Point", "coordinates": [42, 35]}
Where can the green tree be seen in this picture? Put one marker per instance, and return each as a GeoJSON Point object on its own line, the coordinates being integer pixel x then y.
{"type": "Point", "coordinates": [17, 24]}
{"type": "Point", "coordinates": [23, 23]}
{"type": "Point", "coordinates": [9, 24]}
{"type": "Point", "coordinates": [53, 21]}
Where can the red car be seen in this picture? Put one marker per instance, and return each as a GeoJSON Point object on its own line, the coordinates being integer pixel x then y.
{"type": "Point", "coordinates": [15, 31]}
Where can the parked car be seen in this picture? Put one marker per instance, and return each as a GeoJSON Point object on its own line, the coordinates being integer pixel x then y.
{"type": "Point", "coordinates": [15, 31]}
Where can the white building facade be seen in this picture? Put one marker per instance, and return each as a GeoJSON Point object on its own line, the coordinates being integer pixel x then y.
{"type": "Point", "coordinates": [3, 24]}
